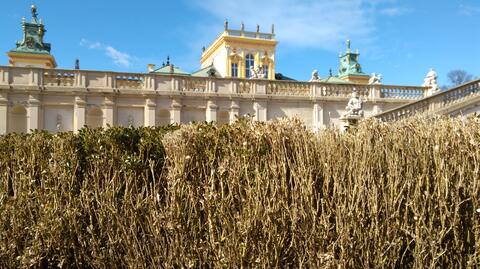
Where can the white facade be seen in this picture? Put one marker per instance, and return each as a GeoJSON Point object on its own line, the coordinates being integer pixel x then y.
{"type": "Point", "coordinates": [67, 100]}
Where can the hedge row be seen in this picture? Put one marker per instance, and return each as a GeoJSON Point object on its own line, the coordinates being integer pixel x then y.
{"type": "Point", "coordinates": [402, 195]}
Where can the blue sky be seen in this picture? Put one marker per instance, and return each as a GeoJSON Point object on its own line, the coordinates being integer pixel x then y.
{"type": "Point", "coordinates": [399, 39]}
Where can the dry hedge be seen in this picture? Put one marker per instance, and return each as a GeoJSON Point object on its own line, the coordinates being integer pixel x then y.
{"type": "Point", "coordinates": [402, 195]}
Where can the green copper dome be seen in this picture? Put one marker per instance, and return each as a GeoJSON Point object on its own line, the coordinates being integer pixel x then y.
{"type": "Point", "coordinates": [349, 65]}
{"type": "Point", "coordinates": [33, 33]}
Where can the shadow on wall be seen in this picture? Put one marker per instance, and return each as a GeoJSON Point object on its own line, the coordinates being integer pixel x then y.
{"type": "Point", "coordinates": [94, 117]}
{"type": "Point", "coordinates": [163, 118]}
{"type": "Point", "coordinates": [17, 120]}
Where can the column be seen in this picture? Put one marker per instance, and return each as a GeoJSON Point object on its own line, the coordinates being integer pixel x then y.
{"type": "Point", "coordinates": [33, 113]}
{"type": "Point", "coordinates": [175, 112]}
{"type": "Point", "coordinates": [3, 113]}
{"type": "Point", "coordinates": [108, 106]}
{"type": "Point", "coordinates": [79, 113]}
{"type": "Point", "coordinates": [260, 108]}
{"type": "Point", "coordinates": [234, 111]}
{"type": "Point", "coordinates": [149, 116]}
{"type": "Point", "coordinates": [317, 116]}
{"type": "Point", "coordinates": [211, 111]}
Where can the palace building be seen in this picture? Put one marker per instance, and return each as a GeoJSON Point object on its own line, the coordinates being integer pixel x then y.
{"type": "Point", "coordinates": [236, 77]}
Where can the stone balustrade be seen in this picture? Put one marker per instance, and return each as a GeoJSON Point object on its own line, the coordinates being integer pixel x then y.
{"type": "Point", "coordinates": [433, 104]}
{"type": "Point", "coordinates": [83, 79]}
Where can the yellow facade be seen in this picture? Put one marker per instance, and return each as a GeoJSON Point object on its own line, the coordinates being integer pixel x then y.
{"type": "Point", "coordinates": [31, 60]}
{"type": "Point", "coordinates": [232, 46]}
{"type": "Point", "coordinates": [357, 79]}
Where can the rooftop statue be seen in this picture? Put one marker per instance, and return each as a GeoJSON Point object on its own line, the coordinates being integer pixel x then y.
{"type": "Point", "coordinates": [375, 79]}
{"type": "Point", "coordinates": [430, 81]}
{"type": "Point", "coordinates": [354, 106]}
{"type": "Point", "coordinates": [315, 77]}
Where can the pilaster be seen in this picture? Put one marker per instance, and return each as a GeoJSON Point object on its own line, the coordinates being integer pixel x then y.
{"type": "Point", "coordinates": [175, 112]}
{"type": "Point", "coordinates": [175, 84]}
{"type": "Point", "coordinates": [33, 113]}
{"type": "Point", "coordinates": [211, 111]}
{"type": "Point", "coordinates": [79, 113]}
{"type": "Point", "coordinates": [3, 113]}
{"type": "Point", "coordinates": [149, 116]}
{"type": "Point", "coordinates": [374, 92]}
{"type": "Point", "coordinates": [108, 108]}
{"type": "Point", "coordinates": [260, 108]}
{"type": "Point", "coordinates": [318, 121]}
{"type": "Point", "coordinates": [5, 76]}
{"type": "Point", "coordinates": [377, 109]}
{"type": "Point", "coordinates": [234, 111]}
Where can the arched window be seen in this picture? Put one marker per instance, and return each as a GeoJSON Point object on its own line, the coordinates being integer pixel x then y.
{"type": "Point", "coordinates": [249, 62]}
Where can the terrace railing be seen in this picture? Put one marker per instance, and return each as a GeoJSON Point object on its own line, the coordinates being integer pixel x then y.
{"type": "Point", "coordinates": [82, 79]}
{"type": "Point", "coordinates": [439, 103]}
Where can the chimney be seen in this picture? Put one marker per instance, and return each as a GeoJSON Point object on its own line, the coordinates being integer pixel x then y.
{"type": "Point", "coordinates": [150, 67]}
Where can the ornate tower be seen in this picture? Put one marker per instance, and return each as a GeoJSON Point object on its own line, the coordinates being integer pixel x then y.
{"type": "Point", "coordinates": [31, 51]}
{"type": "Point", "coordinates": [236, 52]}
{"type": "Point", "coordinates": [350, 69]}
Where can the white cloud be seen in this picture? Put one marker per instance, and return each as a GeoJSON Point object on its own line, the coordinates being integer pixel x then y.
{"type": "Point", "coordinates": [321, 24]}
{"type": "Point", "coordinates": [469, 10]}
{"type": "Point", "coordinates": [118, 57]}
{"type": "Point", "coordinates": [89, 44]}
{"type": "Point", "coordinates": [393, 11]}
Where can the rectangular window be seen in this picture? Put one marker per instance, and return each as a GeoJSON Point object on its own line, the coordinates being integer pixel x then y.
{"type": "Point", "coordinates": [234, 70]}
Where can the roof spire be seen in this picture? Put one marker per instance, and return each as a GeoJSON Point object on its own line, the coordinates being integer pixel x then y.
{"type": "Point", "coordinates": [273, 29]}
{"type": "Point", "coordinates": [168, 60]}
{"type": "Point", "coordinates": [242, 27]}
{"type": "Point", "coordinates": [348, 45]}
{"type": "Point", "coordinates": [226, 25]}
{"type": "Point", "coordinates": [258, 28]}
{"type": "Point", "coordinates": [330, 71]}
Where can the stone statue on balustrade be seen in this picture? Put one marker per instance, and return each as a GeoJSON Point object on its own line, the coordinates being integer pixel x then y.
{"type": "Point", "coordinates": [375, 79]}
{"type": "Point", "coordinates": [354, 113]}
{"type": "Point", "coordinates": [253, 72]}
{"type": "Point", "coordinates": [354, 107]}
{"type": "Point", "coordinates": [430, 81]}
{"type": "Point", "coordinates": [315, 77]}
{"type": "Point", "coordinates": [257, 72]}
{"type": "Point", "coordinates": [260, 72]}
